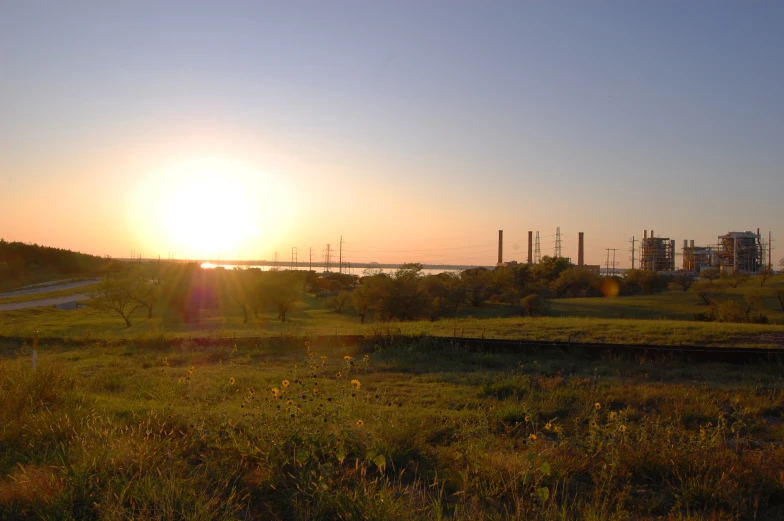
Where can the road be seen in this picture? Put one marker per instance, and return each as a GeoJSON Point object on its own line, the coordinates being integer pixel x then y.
{"type": "Point", "coordinates": [47, 289]}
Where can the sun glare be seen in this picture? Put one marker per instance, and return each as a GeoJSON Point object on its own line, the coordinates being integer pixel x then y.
{"type": "Point", "coordinates": [209, 208]}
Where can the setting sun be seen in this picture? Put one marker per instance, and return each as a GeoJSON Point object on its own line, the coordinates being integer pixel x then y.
{"type": "Point", "coordinates": [207, 207]}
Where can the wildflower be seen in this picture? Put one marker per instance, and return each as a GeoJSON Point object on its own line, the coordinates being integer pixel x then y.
{"type": "Point", "coordinates": [613, 415]}
{"type": "Point", "coordinates": [338, 375]}
{"type": "Point", "coordinates": [315, 390]}
{"type": "Point", "coordinates": [527, 418]}
{"type": "Point", "coordinates": [623, 428]}
{"type": "Point", "coordinates": [366, 358]}
{"type": "Point", "coordinates": [289, 402]}
{"type": "Point", "coordinates": [594, 425]}
{"type": "Point", "coordinates": [533, 437]}
{"type": "Point", "coordinates": [360, 423]}
{"type": "Point", "coordinates": [548, 426]}
{"type": "Point", "coordinates": [355, 383]}
{"type": "Point", "coordinates": [347, 358]}
{"type": "Point", "coordinates": [275, 392]}
{"type": "Point", "coordinates": [597, 405]}
{"type": "Point", "coordinates": [231, 381]}
{"type": "Point", "coordinates": [180, 379]}
{"type": "Point", "coordinates": [285, 383]}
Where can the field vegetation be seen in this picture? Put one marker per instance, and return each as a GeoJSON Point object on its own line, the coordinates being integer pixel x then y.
{"type": "Point", "coordinates": [393, 428]}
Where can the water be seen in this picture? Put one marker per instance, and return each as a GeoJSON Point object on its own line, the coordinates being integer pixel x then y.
{"type": "Point", "coordinates": [319, 269]}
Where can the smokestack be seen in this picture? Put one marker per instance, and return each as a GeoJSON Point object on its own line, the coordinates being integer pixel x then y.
{"type": "Point", "coordinates": [645, 234]}
{"type": "Point", "coordinates": [651, 234]}
{"type": "Point", "coordinates": [530, 247]}
{"type": "Point", "coordinates": [691, 243]}
{"type": "Point", "coordinates": [500, 247]}
{"type": "Point", "coordinates": [685, 243]}
{"type": "Point", "coordinates": [581, 249]}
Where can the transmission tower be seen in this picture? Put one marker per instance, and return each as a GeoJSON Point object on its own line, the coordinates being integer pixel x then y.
{"type": "Point", "coordinates": [327, 258]}
{"type": "Point", "coordinates": [609, 265]}
{"type": "Point", "coordinates": [275, 262]}
{"type": "Point", "coordinates": [340, 256]}
{"type": "Point", "coordinates": [293, 257]}
{"type": "Point", "coordinates": [558, 243]}
{"type": "Point", "coordinates": [632, 249]}
{"type": "Point", "coordinates": [537, 251]}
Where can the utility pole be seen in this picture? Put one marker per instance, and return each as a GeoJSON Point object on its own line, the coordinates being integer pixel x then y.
{"type": "Point", "coordinates": [293, 257]}
{"type": "Point", "coordinates": [340, 256]}
{"type": "Point", "coordinates": [327, 258]}
{"type": "Point", "coordinates": [632, 250]}
{"type": "Point", "coordinates": [770, 248]}
{"type": "Point", "coordinates": [310, 260]}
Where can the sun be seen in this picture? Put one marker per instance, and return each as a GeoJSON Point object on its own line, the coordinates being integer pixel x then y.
{"type": "Point", "coordinates": [206, 208]}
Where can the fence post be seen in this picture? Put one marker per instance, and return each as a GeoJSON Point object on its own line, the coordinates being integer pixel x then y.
{"type": "Point", "coordinates": [35, 350]}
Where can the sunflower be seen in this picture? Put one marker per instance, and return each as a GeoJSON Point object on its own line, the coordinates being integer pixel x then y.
{"type": "Point", "coordinates": [597, 405]}
{"type": "Point", "coordinates": [231, 381]}
{"type": "Point", "coordinates": [360, 423]}
{"type": "Point", "coordinates": [285, 383]}
{"type": "Point", "coordinates": [533, 437]}
{"type": "Point", "coordinates": [275, 392]}
{"type": "Point", "coordinates": [548, 426]}
{"type": "Point", "coordinates": [355, 383]}
{"type": "Point", "coordinates": [338, 375]}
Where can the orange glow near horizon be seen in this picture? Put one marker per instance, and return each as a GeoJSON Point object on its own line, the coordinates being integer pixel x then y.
{"type": "Point", "coordinates": [206, 208]}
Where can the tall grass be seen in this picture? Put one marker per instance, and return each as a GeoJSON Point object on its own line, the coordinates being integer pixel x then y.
{"type": "Point", "coordinates": [409, 429]}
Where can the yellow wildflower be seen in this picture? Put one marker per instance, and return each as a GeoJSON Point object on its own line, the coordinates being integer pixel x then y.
{"type": "Point", "coordinates": [597, 405]}
{"type": "Point", "coordinates": [355, 383]}
{"type": "Point", "coordinates": [533, 437]}
{"type": "Point", "coordinates": [360, 423]}
{"type": "Point", "coordinates": [548, 426]}
{"type": "Point", "coordinates": [338, 375]}
{"type": "Point", "coordinates": [623, 428]}
{"type": "Point", "coordinates": [285, 383]}
{"type": "Point", "coordinates": [275, 392]}
{"type": "Point", "coordinates": [231, 381]}
{"type": "Point", "coordinates": [346, 358]}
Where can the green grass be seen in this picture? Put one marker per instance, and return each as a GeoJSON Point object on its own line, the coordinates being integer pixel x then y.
{"type": "Point", "coordinates": [128, 432]}
{"type": "Point", "coordinates": [492, 321]}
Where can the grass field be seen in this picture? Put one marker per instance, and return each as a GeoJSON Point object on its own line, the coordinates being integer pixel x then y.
{"type": "Point", "coordinates": [583, 320]}
{"type": "Point", "coordinates": [272, 430]}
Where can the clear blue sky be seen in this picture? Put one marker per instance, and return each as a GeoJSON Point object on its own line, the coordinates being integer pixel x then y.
{"type": "Point", "coordinates": [414, 129]}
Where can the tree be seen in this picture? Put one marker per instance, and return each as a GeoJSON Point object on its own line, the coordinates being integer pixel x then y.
{"type": "Point", "coordinates": [710, 274]}
{"type": "Point", "coordinates": [147, 292]}
{"type": "Point", "coordinates": [684, 280]}
{"type": "Point", "coordinates": [705, 290]}
{"type": "Point", "coordinates": [119, 297]}
{"type": "Point", "coordinates": [780, 297]}
{"type": "Point", "coordinates": [765, 274]}
{"type": "Point", "coordinates": [477, 282]}
{"type": "Point", "coordinates": [279, 291]}
{"type": "Point", "coordinates": [753, 304]}
{"type": "Point", "coordinates": [239, 286]}
{"type": "Point", "coordinates": [735, 278]}
{"type": "Point", "coordinates": [338, 301]}
{"type": "Point", "coordinates": [575, 281]}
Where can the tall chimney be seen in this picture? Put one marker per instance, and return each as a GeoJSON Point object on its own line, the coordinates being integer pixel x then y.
{"type": "Point", "coordinates": [691, 243]}
{"type": "Point", "coordinates": [500, 247]}
{"type": "Point", "coordinates": [581, 249]}
{"type": "Point", "coordinates": [685, 243]}
{"type": "Point", "coordinates": [530, 247]}
{"type": "Point", "coordinates": [645, 234]}
{"type": "Point", "coordinates": [651, 234]}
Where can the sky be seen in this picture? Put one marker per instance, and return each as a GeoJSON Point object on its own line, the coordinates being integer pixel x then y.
{"type": "Point", "coordinates": [414, 130]}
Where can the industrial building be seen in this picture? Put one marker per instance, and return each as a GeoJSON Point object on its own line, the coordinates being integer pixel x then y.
{"type": "Point", "coordinates": [740, 251]}
{"type": "Point", "coordinates": [697, 258]}
{"type": "Point", "coordinates": [657, 253]}
{"type": "Point", "coordinates": [734, 251]}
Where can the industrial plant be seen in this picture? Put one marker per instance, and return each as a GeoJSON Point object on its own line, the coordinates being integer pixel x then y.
{"type": "Point", "coordinates": [733, 251]}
